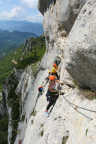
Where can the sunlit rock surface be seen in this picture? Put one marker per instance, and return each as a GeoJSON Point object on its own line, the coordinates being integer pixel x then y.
{"type": "Point", "coordinates": [80, 54]}
{"type": "Point", "coordinates": [67, 123]}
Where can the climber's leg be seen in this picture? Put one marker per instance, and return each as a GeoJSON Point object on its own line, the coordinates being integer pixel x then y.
{"type": "Point", "coordinates": [54, 101]}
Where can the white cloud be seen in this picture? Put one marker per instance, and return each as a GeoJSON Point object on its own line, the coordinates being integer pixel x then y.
{"type": "Point", "coordinates": [35, 18]}
{"type": "Point", "coordinates": [14, 12]}
{"type": "Point", "coordinates": [30, 3]}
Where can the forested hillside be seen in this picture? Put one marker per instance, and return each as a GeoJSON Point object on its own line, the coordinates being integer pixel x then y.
{"type": "Point", "coordinates": [11, 40]}
{"type": "Point", "coordinates": [19, 60]}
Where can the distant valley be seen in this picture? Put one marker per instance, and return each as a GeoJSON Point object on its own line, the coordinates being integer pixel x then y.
{"type": "Point", "coordinates": [21, 26]}
{"type": "Point", "coordinates": [9, 41]}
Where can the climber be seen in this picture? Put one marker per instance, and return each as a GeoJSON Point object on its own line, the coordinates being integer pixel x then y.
{"type": "Point", "coordinates": [54, 71]}
{"type": "Point", "coordinates": [52, 93]}
{"type": "Point", "coordinates": [57, 62]}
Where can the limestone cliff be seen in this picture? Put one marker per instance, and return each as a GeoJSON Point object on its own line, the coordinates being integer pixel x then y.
{"type": "Point", "coordinates": [73, 117]}
{"type": "Point", "coordinates": [81, 50]}
{"type": "Point", "coordinates": [72, 120]}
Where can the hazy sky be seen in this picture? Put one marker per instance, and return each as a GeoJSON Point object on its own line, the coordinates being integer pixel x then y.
{"type": "Point", "coordinates": [20, 10]}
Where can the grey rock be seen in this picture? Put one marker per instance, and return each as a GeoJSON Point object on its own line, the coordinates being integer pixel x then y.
{"type": "Point", "coordinates": [25, 84]}
{"type": "Point", "coordinates": [58, 20]}
{"type": "Point", "coordinates": [28, 46]}
{"type": "Point", "coordinates": [65, 77]}
{"type": "Point", "coordinates": [65, 124]}
{"type": "Point", "coordinates": [9, 97]}
{"type": "Point", "coordinates": [42, 5]}
{"type": "Point", "coordinates": [65, 11]}
{"type": "Point", "coordinates": [80, 54]}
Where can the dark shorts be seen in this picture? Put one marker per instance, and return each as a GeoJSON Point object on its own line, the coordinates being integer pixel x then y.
{"type": "Point", "coordinates": [52, 96]}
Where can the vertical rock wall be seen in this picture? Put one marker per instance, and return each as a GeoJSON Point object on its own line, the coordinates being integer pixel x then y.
{"type": "Point", "coordinates": [67, 124]}
{"type": "Point", "coordinates": [80, 56]}
{"type": "Point", "coordinates": [59, 18]}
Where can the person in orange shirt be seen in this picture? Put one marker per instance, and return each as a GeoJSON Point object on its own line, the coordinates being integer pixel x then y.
{"type": "Point", "coordinates": [52, 93]}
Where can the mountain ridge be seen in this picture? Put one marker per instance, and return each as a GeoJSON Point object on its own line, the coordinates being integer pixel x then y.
{"type": "Point", "coordinates": [22, 26]}
{"type": "Point", "coordinates": [12, 40]}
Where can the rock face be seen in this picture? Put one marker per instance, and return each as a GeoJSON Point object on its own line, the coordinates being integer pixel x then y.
{"type": "Point", "coordinates": [72, 119]}
{"type": "Point", "coordinates": [25, 91]}
{"type": "Point", "coordinates": [43, 5]}
{"type": "Point", "coordinates": [29, 46]}
{"type": "Point", "coordinates": [28, 90]}
{"type": "Point", "coordinates": [64, 12]}
{"type": "Point", "coordinates": [81, 48]}
{"type": "Point", "coordinates": [12, 103]}
{"type": "Point", "coordinates": [67, 123]}
{"type": "Point", "coordinates": [59, 18]}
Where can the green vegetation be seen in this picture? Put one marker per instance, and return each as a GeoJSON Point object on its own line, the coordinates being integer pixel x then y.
{"type": "Point", "coordinates": [23, 118]}
{"type": "Point", "coordinates": [33, 113]}
{"type": "Point", "coordinates": [86, 131]}
{"type": "Point", "coordinates": [64, 140]}
{"type": "Point", "coordinates": [4, 130]}
{"type": "Point", "coordinates": [0, 98]}
{"type": "Point", "coordinates": [13, 102]}
{"type": "Point", "coordinates": [42, 133]}
{"type": "Point", "coordinates": [6, 67]}
{"type": "Point", "coordinates": [32, 57]}
{"type": "Point", "coordinates": [42, 125]}
{"type": "Point", "coordinates": [32, 121]}
{"type": "Point", "coordinates": [90, 95]}
{"type": "Point", "coordinates": [9, 41]}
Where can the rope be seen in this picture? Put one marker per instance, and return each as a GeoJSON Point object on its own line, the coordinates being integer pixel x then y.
{"type": "Point", "coordinates": [79, 106]}
{"type": "Point", "coordinates": [76, 106]}
{"type": "Point", "coordinates": [84, 115]}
